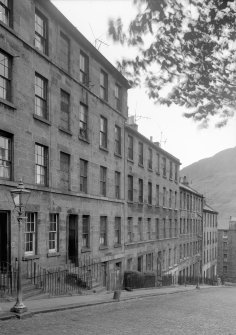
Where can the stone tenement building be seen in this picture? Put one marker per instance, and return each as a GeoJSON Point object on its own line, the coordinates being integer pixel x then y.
{"type": "Point", "coordinates": [152, 186]}
{"type": "Point", "coordinates": [223, 252]}
{"type": "Point", "coordinates": [98, 187]}
{"type": "Point", "coordinates": [210, 235]}
{"type": "Point", "coordinates": [190, 230]}
{"type": "Point", "coordinates": [226, 265]}
{"type": "Point", "coordinates": [61, 102]}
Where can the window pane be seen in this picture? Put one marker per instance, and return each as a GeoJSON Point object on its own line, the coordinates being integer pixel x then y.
{"type": "Point", "coordinates": [5, 157]}
{"type": "Point", "coordinates": [53, 232]}
{"type": "Point", "coordinates": [4, 11]}
{"type": "Point", "coordinates": [65, 110]}
{"type": "Point", "coordinates": [83, 131]}
{"type": "Point", "coordinates": [4, 76]}
{"type": "Point", "coordinates": [40, 32]}
{"type": "Point", "coordinates": [30, 230]}
{"type": "Point", "coordinates": [41, 161]}
{"type": "Point", "coordinates": [64, 51]}
{"type": "Point", "coordinates": [40, 96]}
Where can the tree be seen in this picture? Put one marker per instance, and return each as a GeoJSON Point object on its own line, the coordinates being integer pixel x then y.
{"type": "Point", "coordinates": [185, 47]}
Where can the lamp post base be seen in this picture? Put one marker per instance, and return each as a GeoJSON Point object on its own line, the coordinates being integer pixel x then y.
{"type": "Point", "coordinates": [19, 308]}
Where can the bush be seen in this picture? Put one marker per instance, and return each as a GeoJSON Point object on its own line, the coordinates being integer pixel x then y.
{"type": "Point", "coordinates": [136, 279]}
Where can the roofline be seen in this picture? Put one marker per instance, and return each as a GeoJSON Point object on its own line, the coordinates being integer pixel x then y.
{"type": "Point", "coordinates": [190, 189]}
{"type": "Point", "coordinates": [150, 143]}
{"type": "Point", "coordinates": [209, 209]}
{"type": "Point", "coordinates": [48, 5]}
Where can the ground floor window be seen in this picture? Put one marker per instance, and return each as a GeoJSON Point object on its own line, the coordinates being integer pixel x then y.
{"type": "Point", "coordinates": [117, 230]}
{"type": "Point", "coordinates": [53, 232]}
{"type": "Point", "coordinates": [85, 233]}
{"type": "Point", "coordinates": [129, 264]}
{"type": "Point", "coordinates": [103, 231]}
{"type": "Point", "coordinates": [140, 263]}
{"type": "Point", "coordinates": [30, 234]}
{"type": "Point", "coordinates": [149, 262]}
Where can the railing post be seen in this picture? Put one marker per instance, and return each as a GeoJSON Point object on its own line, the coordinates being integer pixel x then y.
{"type": "Point", "coordinates": [34, 273]}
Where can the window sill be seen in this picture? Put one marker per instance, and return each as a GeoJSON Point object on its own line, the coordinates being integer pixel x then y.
{"type": "Point", "coordinates": [117, 155]}
{"type": "Point", "coordinates": [141, 165]}
{"type": "Point", "coordinates": [117, 245]}
{"type": "Point", "coordinates": [42, 186]}
{"type": "Point", "coordinates": [158, 173]}
{"type": "Point", "coordinates": [53, 254]}
{"type": "Point", "coordinates": [130, 242]}
{"type": "Point", "coordinates": [7, 103]}
{"type": "Point", "coordinates": [85, 84]}
{"type": "Point", "coordinates": [103, 149]}
{"type": "Point", "coordinates": [27, 257]}
{"type": "Point", "coordinates": [85, 249]}
{"type": "Point", "coordinates": [6, 25]}
{"type": "Point", "coordinates": [66, 131]}
{"type": "Point", "coordinates": [41, 53]}
{"type": "Point", "coordinates": [129, 202]}
{"type": "Point", "coordinates": [103, 247]}
{"type": "Point", "coordinates": [150, 169]}
{"type": "Point", "coordinates": [41, 119]}
{"type": "Point", "coordinates": [130, 160]}
{"type": "Point", "coordinates": [104, 100]}
{"type": "Point", "coordinates": [84, 139]}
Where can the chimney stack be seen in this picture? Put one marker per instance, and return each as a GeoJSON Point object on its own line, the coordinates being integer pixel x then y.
{"type": "Point", "coordinates": [131, 122]}
{"type": "Point", "coordinates": [185, 181]}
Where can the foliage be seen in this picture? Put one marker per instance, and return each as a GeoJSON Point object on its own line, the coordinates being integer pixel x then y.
{"type": "Point", "coordinates": [188, 48]}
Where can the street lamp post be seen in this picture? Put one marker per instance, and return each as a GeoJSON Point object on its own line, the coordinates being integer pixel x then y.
{"type": "Point", "coordinates": [198, 270]}
{"type": "Point", "coordinates": [20, 198]}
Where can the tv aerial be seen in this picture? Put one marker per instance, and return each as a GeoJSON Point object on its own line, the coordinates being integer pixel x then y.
{"type": "Point", "coordinates": [97, 40]}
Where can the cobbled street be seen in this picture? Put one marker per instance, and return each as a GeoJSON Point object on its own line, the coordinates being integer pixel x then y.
{"type": "Point", "coordinates": [205, 311]}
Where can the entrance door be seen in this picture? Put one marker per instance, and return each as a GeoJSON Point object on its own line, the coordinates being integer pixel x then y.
{"type": "Point", "coordinates": [140, 263]}
{"type": "Point", "coordinates": [104, 273]}
{"type": "Point", "coordinates": [73, 238]}
{"type": "Point", "coordinates": [159, 264]}
{"type": "Point", "coordinates": [4, 240]}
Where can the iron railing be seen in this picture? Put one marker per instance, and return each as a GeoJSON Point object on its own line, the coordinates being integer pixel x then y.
{"type": "Point", "coordinates": [194, 280]}
{"type": "Point", "coordinates": [72, 278]}
{"type": "Point", "coordinates": [8, 279]}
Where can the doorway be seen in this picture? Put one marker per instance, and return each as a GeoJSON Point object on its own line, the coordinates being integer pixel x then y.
{"type": "Point", "coordinates": [73, 239]}
{"type": "Point", "coordinates": [4, 239]}
{"type": "Point", "coordinates": [104, 268]}
{"type": "Point", "coordinates": [140, 263]}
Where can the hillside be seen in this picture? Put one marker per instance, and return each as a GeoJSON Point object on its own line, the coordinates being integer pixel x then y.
{"type": "Point", "coordinates": [215, 178]}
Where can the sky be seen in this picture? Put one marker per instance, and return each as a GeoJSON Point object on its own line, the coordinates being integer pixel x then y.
{"type": "Point", "coordinates": [179, 136]}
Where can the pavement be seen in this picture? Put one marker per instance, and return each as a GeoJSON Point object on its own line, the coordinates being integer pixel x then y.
{"type": "Point", "coordinates": [53, 304]}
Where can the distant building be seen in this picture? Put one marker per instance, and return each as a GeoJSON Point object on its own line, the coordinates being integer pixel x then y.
{"type": "Point", "coordinates": [190, 231]}
{"type": "Point", "coordinates": [210, 236]}
{"type": "Point", "coordinates": [223, 253]}
{"type": "Point", "coordinates": [227, 252]}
